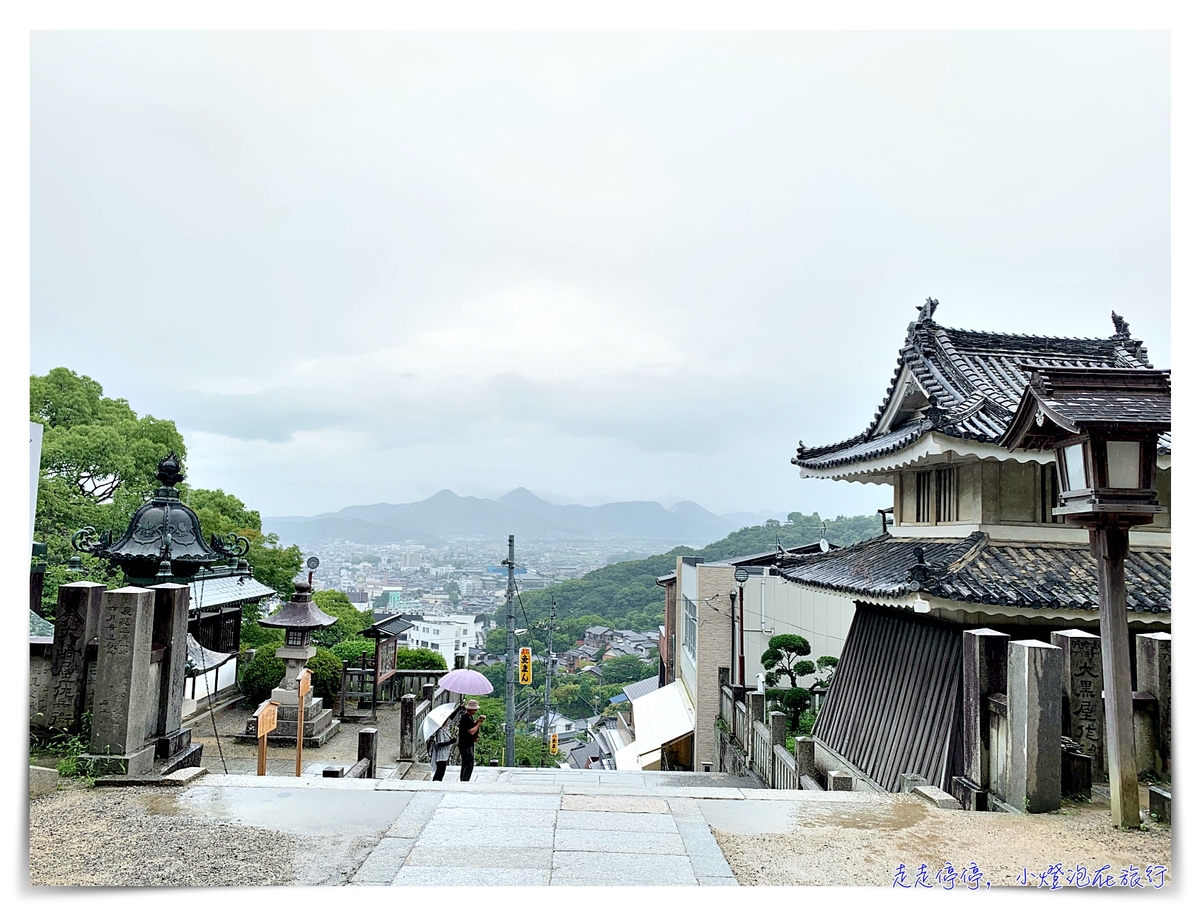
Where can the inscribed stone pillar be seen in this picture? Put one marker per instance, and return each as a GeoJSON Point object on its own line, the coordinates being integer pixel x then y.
{"type": "Point", "coordinates": [985, 671]}
{"type": "Point", "coordinates": [1034, 726]}
{"type": "Point", "coordinates": [121, 701]}
{"type": "Point", "coordinates": [1082, 678]}
{"type": "Point", "coordinates": [78, 603]}
{"type": "Point", "coordinates": [1154, 677]}
{"type": "Point", "coordinates": [170, 631]}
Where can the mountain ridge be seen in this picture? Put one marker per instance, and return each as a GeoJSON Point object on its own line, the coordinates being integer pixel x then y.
{"type": "Point", "coordinates": [519, 511]}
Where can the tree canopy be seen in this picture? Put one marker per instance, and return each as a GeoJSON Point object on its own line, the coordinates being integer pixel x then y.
{"type": "Point", "coordinates": [99, 460]}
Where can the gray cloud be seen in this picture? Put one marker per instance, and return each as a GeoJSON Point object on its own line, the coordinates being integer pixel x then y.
{"type": "Point", "coordinates": [630, 263]}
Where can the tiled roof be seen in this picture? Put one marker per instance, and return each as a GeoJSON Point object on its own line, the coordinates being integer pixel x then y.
{"type": "Point", "coordinates": [226, 589]}
{"type": "Point", "coordinates": [975, 570]}
{"type": "Point", "coordinates": [639, 689]}
{"type": "Point", "coordinates": [973, 381]}
{"type": "Point", "coordinates": [40, 631]}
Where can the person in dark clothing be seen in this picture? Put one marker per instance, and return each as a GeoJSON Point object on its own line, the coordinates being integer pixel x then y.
{"type": "Point", "coordinates": [468, 732]}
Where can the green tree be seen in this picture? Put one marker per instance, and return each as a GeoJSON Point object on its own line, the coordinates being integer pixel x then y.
{"type": "Point", "coordinates": [352, 649]}
{"type": "Point", "coordinates": [98, 464]}
{"type": "Point", "coordinates": [785, 657]}
{"type": "Point", "coordinates": [326, 670]}
{"type": "Point", "coordinates": [274, 565]}
{"type": "Point", "coordinates": [419, 659]}
{"type": "Point", "coordinates": [626, 669]}
{"type": "Point", "coordinates": [350, 620]}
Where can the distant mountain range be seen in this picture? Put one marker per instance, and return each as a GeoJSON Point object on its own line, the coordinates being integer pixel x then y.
{"type": "Point", "coordinates": [519, 512]}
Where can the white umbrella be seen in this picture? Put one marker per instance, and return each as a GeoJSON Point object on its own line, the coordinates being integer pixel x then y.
{"type": "Point", "coordinates": [436, 718]}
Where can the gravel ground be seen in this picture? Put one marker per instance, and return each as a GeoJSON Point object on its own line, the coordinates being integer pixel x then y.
{"type": "Point", "coordinates": [862, 846]}
{"type": "Point", "coordinates": [113, 837]}
{"type": "Point", "coordinates": [341, 748]}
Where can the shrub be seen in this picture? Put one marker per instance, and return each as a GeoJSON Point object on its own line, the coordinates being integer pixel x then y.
{"type": "Point", "coordinates": [419, 659]}
{"type": "Point", "coordinates": [261, 676]}
{"type": "Point", "coordinates": [326, 670]}
{"type": "Point", "coordinates": [352, 649]}
{"type": "Point", "coordinates": [256, 636]}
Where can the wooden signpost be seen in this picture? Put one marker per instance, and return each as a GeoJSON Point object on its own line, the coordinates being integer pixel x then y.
{"type": "Point", "coordinates": [266, 717]}
{"type": "Point", "coordinates": [303, 688]}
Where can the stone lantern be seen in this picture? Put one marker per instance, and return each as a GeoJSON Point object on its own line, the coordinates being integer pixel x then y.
{"type": "Point", "coordinates": [298, 618]}
{"type": "Point", "coordinates": [1104, 426]}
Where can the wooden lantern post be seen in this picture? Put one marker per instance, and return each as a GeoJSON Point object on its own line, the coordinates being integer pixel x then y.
{"type": "Point", "coordinates": [266, 717]}
{"type": "Point", "coordinates": [1103, 425]}
{"type": "Point", "coordinates": [303, 688]}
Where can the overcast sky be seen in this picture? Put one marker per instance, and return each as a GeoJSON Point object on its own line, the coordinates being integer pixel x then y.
{"type": "Point", "coordinates": [361, 268]}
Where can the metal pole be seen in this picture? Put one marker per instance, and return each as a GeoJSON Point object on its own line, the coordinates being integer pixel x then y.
{"type": "Point", "coordinates": [549, 661]}
{"type": "Point", "coordinates": [510, 709]}
{"type": "Point", "coordinates": [741, 635]}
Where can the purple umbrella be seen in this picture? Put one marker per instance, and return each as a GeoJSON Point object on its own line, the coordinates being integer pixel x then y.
{"type": "Point", "coordinates": [466, 682]}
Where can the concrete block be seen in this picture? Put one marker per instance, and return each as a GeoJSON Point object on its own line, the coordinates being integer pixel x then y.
{"type": "Point", "coordinates": [619, 822]}
{"type": "Point", "coordinates": [184, 776]}
{"type": "Point", "coordinates": [839, 780]}
{"type": "Point", "coordinates": [470, 876]}
{"type": "Point", "coordinates": [937, 797]}
{"type": "Point", "coordinates": [910, 780]}
{"type": "Point", "coordinates": [1160, 804]}
{"type": "Point", "coordinates": [42, 781]}
{"type": "Point", "coordinates": [808, 783]}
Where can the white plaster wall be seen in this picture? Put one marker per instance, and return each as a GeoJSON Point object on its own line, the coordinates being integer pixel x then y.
{"type": "Point", "coordinates": [823, 619]}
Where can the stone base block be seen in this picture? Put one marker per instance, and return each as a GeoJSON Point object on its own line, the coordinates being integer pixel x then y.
{"type": "Point", "coordinates": [187, 758]}
{"type": "Point", "coordinates": [910, 780]}
{"type": "Point", "coordinates": [839, 781]}
{"type": "Point", "coordinates": [173, 744]}
{"type": "Point", "coordinates": [1160, 804]}
{"type": "Point", "coordinates": [937, 797]}
{"type": "Point", "coordinates": [136, 764]}
{"type": "Point", "coordinates": [808, 783]}
{"type": "Point", "coordinates": [42, 781]}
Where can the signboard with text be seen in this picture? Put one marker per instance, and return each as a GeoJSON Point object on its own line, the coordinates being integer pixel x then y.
{"type": "Point", "coordinates": [525, 666]}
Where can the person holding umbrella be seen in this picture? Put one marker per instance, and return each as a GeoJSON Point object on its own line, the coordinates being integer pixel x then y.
{"type": "Point", "coordinates": [439, 746]}
{"type": "Point", "coordinates": [469, 723]}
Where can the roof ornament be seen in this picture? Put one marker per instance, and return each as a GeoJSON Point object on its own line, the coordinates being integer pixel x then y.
{"type": "Point", "coordinates": [925, 312]}
{"type": "Point", "coordinates": [921, 574]}
{"type": "Point", "coordinates": [1120, 325]}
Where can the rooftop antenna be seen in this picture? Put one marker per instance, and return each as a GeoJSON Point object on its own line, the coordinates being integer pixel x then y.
{"type": "Point", "coordinates": [824, 542]}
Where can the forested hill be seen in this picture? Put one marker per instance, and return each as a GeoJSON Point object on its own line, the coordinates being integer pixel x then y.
{"type": "Point", "coordinates": [625, 595]}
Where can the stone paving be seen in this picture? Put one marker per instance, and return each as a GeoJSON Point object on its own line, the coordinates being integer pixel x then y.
{"type": "Point", "coordinates": [538, 828]}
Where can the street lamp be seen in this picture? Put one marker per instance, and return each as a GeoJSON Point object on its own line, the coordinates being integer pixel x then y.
{"type": "Point", "coordinates": [1103, 425]}
{"type": "Point", "coordinates": [740, 575]}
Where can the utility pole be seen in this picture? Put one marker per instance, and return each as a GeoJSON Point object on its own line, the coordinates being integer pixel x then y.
{"type": "Point", "coordinates": [549, 663]}
{"type": "Point", "coordinates": [510, 708]}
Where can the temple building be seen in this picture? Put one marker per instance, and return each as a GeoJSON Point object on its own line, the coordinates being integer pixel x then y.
{"type": "Point", "coordinates": [974, 543]}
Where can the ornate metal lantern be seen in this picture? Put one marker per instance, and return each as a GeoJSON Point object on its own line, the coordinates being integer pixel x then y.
{"type": "Point", "coordinates": [163, 541]}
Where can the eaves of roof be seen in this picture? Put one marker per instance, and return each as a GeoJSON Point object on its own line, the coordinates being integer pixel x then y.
{"type": "Point", "coordinates": [974, 570]}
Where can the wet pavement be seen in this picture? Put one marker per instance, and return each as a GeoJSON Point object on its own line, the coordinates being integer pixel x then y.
{"type": "Point", "coordinates": [521, 827]}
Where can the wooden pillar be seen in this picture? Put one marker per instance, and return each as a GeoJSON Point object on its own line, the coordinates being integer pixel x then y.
{"type": "Point", "coordinates": [1110, 546]}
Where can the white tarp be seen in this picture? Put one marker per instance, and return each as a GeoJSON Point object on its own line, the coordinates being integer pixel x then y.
{"type": "Point", "coordinates": [662, 716]}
